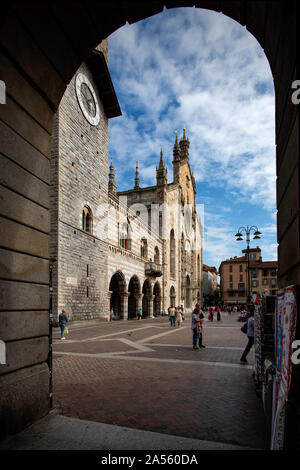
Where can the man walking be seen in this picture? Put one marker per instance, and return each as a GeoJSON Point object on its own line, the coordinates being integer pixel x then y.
{"type": "Point", "coordinates": [250, 335]}
{"type": "Point", "coordinates": [62, 321]}
{"type": "Point", "coordinates": [172, 316]}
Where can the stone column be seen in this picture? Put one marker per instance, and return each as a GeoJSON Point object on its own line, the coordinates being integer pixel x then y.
{"type": "Point", "coordinates": [124, 306]}
{"type": "Point", "coordinates": [108, 304]}
{"type": "Point", "coordinates": [150, 306]}
{"type": "Point", "coordinates": [139, 301]}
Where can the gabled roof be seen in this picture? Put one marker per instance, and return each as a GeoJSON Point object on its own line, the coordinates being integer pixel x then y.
{"type": "Point", "coordinates": [97, 63]}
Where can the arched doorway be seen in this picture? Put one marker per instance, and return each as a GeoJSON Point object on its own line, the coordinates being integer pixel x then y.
{"type": "Point", "coordinates": [147, 309]}
{"type": "Point", "coordinates": [117, 287]}
{"type": "Point", "coordinates": [188, 292]}
{"type": "Point", "coordinates": [157, 299]}
{"type": "Point", "coordinates": [172, 296]}
{"type": "Point", "coordinates": [134, 290]}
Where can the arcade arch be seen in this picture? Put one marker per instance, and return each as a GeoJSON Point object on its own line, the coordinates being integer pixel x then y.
{"type": "Point", "coordinates": [117, 289]}
{"type": "Point", "coordinates": [134, 296]}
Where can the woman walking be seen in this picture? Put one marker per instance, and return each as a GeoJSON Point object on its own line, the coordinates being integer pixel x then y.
{"type": "Point", "coordinates": [179, 316]}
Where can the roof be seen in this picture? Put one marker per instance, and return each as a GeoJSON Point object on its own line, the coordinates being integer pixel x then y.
{"type": "Point", "coordinates": [210, 268]}
{"type": "Point", "coordinates": [236, 259]}
{"type": "Point", "coordinates": [251, 250]}
{"type": "Point", "coordinates": [97, 63]}
{"type": "Point", "coordinates": [267, 264]}
{"type": "Point", "coordinates": [253, 264]}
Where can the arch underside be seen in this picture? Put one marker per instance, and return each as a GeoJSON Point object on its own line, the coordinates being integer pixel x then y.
{"type": "Point", "coordinates": [42, 46]}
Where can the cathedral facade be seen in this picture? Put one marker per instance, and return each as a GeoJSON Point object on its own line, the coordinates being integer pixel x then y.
{"type": "Point", "coordinates": [124, 250]}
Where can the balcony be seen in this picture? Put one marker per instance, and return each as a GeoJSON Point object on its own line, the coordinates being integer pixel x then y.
{"type": "Point", "coordinates": [153, 269]}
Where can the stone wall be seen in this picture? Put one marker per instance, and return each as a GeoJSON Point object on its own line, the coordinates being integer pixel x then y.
{"type": "Point", "coordinates": [79, 178]}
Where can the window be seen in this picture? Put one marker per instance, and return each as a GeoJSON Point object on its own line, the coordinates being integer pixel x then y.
{"type": "Point", "coordinates": [265, 282]}
{"type": "Point", "coordinates": [273, 273]}
{"type": "Point", "coordinates": [255, 283]}
{"type": "Point", "coordinates": [144, 248]}
{"type": "Point", "coordinates": [252, 256]}
{"type": "Point", "coordinates": [241, 268]}
{"type": "Point", "coordinates": [172, 253]}
{"type": "Point", "coordinates": [230, 278]}
{"type": "Point", "coordinates": [125, 235]}
{"type": "Point", "coordinates": [160, 224]}
{"type": "Point", "coordinates": [87, 219]}
{"type": "Point", "coordinates": [265, 273]}
{"type": "Point", "coordinates": [241, 277]}
{"type": "Point", "coordinates": [156, 255]}
{"type": "Point", "coordinates": [231, 286]}
{"type": "Point", "coordinates": [254, 273]}
{"type": "Point", "coordinates": [230, 268]}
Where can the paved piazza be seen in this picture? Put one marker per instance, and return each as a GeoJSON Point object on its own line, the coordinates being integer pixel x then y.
{"type": "Point", "coordinates": [145, 375]}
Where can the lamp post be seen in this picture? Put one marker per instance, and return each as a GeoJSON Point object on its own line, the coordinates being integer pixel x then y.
{"type": "Point", "coordinates": [239, 237]}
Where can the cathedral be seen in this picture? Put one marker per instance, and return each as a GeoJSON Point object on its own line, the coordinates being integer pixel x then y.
{"type": "Point", "coordinates": [126, 250]}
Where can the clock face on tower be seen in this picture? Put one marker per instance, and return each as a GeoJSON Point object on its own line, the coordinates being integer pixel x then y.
{"type": "Point", "coordinates": [87, 99]}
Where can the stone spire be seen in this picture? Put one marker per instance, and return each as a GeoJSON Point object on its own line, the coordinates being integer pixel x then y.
{"type": "Point", "coordinates": [112, 187]}
{"type": "Point", "coordinates": [176, 150]}
{"type": "Point", "coordinates": [137, 177]}
{"type": "Point", "coordinates": [176, 160]}
{"type": "Point", "coordinates": [161, 161]}
{"type": "Point", "coordinates": [161, 171]}
{"type": "Point", "coordinates": [184, 145]}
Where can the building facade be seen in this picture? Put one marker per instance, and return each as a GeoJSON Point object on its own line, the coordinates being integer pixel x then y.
{"type": "Point", "coordinates": [210, 285]}
{"type": "Point", "coordinates": [234, 277]}
{"type": "Point", "coordinates": [123, 250]}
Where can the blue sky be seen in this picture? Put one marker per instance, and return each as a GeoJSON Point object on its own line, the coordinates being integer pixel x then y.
{"type": "Point", "coordinates": [198, 69]}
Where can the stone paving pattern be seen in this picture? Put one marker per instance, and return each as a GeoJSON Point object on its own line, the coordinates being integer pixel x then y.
{"type": "Point", "coordinates": [173, 389]}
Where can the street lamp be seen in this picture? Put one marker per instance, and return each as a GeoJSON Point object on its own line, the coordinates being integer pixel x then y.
{"type": "Point", "coordinates": [239, 237]}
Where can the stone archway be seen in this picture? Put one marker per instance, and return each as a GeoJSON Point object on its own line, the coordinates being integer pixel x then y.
{"type": "Point", "coordinates": [134, 295]}
{"type": "Point", "coordinates": [117, 287]}
{"type": "Point", "coordinates": [172, 296]}
{"type": "Point", "coordinates": [42, 47]}
{"type": "Point", "coordinates": [147, 304]}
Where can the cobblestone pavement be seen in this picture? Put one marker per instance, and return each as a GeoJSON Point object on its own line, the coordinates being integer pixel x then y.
{"type": "Point", "coordinates": [145, 375]}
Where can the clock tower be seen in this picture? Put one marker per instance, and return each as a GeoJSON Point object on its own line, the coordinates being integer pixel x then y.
{"type": "Point", "coordinates": [79, 182]}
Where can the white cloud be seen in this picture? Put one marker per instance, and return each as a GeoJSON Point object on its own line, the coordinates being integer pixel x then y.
{"type": "Point", "coordinates": [201, 70]}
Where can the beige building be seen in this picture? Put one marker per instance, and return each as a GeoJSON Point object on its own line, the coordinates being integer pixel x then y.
{"type": "Point", "coordinates": [168, 214]}
{"type": "Point", "coordinates": [210, 287]}
{"type": "Point", "coordinates": [234, 277]}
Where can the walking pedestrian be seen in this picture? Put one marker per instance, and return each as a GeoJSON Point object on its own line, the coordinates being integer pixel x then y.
{"type": "Point", "coordinates": [211, 313]}
{"type": "Point", "coordinates": [62, 321]}
{"type": "Point", "coordinates": [182, 312]}
{"type": "Point", "coordinates": [172, 316]}
{"type": "Point", "coordinates": [111, 315]}
{"type": "Point", "coordinates": [195, 321]}
{"type": "Point", "coordinates": [218, 313]}
{"type": "Point", "coordinates": [139, 313]}
{"type": "Point", "coordinates": [250, 335]}
{"type": "Point", "coordinates": [179, 316]}
{"type": "Point", "coordinates": [200, 328]}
